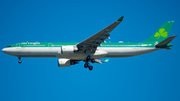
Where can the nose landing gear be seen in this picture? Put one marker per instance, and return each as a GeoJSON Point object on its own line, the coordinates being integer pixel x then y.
{"type": "Point", "coordinates": [19, 60]}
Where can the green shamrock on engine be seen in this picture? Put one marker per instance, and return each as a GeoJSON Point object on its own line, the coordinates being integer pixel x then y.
{"type": "Point", "coordinates": [162, 33]}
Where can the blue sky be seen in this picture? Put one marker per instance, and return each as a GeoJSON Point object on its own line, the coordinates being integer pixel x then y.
{"type": "Point", "coordinates": [150, 77]}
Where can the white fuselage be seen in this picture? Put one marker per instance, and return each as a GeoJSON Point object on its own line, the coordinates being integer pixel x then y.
{"type": "Point", "coordinates": [101, 52]}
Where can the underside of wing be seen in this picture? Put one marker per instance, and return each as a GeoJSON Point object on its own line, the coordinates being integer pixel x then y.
{"type": "Point", "coordinates": [94, 41]}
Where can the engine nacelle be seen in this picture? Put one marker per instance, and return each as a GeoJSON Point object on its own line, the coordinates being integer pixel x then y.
{"type": "Point", "coordinates": [68, 49]}
{"type": "Point", "coordinates": [66, 62]}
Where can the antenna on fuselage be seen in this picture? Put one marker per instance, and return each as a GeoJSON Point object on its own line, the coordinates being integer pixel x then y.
{"type": "Point", "coordinates": [121, 42]}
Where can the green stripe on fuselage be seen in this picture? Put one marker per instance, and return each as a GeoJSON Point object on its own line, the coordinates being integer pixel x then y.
{"type": "Point", "coordinates": [59, 44]}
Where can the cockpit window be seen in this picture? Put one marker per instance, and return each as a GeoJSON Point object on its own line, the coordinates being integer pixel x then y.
{"type": "Point", "coordinates": [9, 46]}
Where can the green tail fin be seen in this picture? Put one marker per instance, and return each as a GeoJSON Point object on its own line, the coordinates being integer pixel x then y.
{"type": "Point", "coordinates": [162, 33]}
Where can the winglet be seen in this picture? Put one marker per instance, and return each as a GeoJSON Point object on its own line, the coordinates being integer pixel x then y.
{"type": "Point", "coordinates": [121, 18]}
{"type": "Point", "coordinates": [106, 60]}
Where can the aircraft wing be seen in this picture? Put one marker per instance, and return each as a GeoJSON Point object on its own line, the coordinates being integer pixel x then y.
{"type": "Point", "coordinates": [94, 41]}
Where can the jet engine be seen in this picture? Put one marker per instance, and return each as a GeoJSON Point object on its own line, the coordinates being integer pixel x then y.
{"type": "Point", "coordinates": [68, 49]}
{"type": "Point", "coordinates": [66, 62]}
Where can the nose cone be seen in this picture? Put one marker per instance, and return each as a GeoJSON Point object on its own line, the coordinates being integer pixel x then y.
{"type": "Point", "coordinates": [3, 50]}
{"type": "Point", "coordinates": [9, 51]}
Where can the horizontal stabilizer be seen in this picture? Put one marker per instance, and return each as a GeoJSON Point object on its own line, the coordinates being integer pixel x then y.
{"type": "Point", "coordinates": [164, 44]}
{"type": "Point", "coordinates": [167, 48]}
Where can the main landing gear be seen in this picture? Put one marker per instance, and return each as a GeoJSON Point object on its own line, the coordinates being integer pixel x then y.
{"type": "Point", "coordinates": [87, 65]}
{"type": "Point", "coordinates": [19, 60]}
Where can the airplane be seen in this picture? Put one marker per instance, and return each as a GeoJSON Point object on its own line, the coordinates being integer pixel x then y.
{"type": "Point", "coordinates": [92, 48]}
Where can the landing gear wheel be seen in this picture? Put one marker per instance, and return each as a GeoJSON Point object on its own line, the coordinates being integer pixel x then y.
{"type": "Point", "coordinates": [92, 60]}
{"type": "Point", "coordinates": [90, 67]}
{"type": "Point", "coordinates": [20, 61]}
{"type": "Point", "coordinates": [88, 58]}
{"type": "Point", "coordinates": [86, 65]}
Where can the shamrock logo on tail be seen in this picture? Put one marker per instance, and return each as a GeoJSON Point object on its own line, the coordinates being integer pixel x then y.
{"type": "Point", "coordinates": [162, 33]}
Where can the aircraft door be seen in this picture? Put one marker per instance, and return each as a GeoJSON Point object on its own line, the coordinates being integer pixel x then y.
{"type": "Point", "coordinates": [18, 46]}
{"type": "Point", "coordinates": [140, 44]}
{"type": "Point", "coordinates": [49, 44]}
